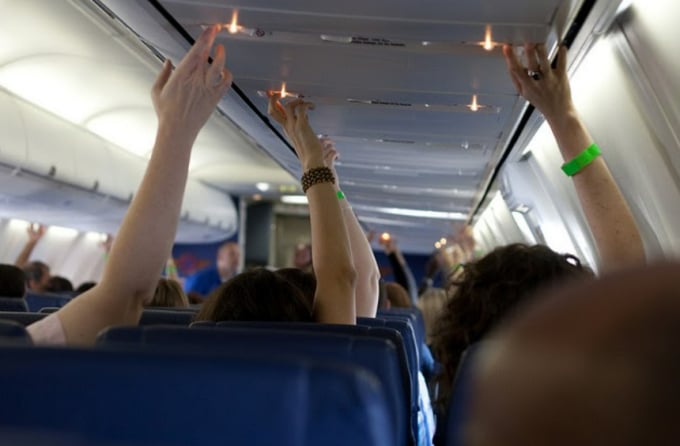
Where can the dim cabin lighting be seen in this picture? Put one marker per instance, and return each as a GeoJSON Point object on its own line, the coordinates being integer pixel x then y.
{"type": "Point", "coordinates": [442, 241]}
{"type": "Point", "coordinates": [233, 27]}
{"type": "Point", "coordinates": [437, 245]}
{"type": "Point", "coordinates": [385, 236]}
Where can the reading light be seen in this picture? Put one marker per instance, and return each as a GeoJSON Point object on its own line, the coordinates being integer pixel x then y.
{"type": "Point", "coordinates": [385, 236]}
{"type": "Point", "coordinates": [474, 106]}
{"type": "Point", "coordinates": [442, 241]}
{"type": "Point", "coordinates": [233, 27]}
{"type": "Point", "coordinates": [488, 44]}
{"type": "Point", "coordinates": [437, 245]}
{"type": "Point", "coordinates": [262, 187]}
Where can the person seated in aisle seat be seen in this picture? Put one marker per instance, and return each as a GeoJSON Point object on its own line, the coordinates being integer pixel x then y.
{"type": "Point", "coordinates": [184, 99]}
{"type": "Point", "coordinates": [169, 293]}
{"type": "Point", "coordinates": [590, 364]}
{"type": "Point", "coordinates": [12, 281]}
{"type": "Point", "coordinates": [226, 266]}
{"type": "Point", "coordinates": [59, 284]}
{"type": "Point", "coordinates": [493, 286]}
{"type": "Point", "coordinates": [37, 272]}
{"type": "Point", "coordinates": [345, 269]}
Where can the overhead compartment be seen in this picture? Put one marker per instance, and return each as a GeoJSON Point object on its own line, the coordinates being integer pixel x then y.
{"type": "Point", "coordinates": [77, 167]}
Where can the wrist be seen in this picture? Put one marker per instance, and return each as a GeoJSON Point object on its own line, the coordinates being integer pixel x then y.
{"type": "Point", "coordinates": [562, 118]}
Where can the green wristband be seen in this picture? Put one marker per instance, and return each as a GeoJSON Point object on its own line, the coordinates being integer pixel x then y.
{"type": "Point", "coordinates": [582, 160]}
{"type": "Point", "coordinates": [340, 195]}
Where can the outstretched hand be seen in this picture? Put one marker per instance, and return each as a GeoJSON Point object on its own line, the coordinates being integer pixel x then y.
{"type": "Point", "coordinates": [545, 87]}
{"type": "Point", "coordinates": [293, 117]}
{"type": "Point", "coordinates": [330, 156]}
{"type": "Point", "coordinates": [185, 98]}
{"type": "Point", "coordinates": [35, 232]}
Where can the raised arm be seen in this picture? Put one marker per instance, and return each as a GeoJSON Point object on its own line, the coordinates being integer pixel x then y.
{"type": "Point", "coordinates": [35, 233]}
{"type": "Point", "coordinates": [184, 100]}
{"type": "Point", "coordinates": [334, 299]}
{"type": "Point", "coordinates": [365, 265]}
{"type": "Point", "coordinates": [612, 224]}
{"type": "Point", "coordinates": [400, 269]}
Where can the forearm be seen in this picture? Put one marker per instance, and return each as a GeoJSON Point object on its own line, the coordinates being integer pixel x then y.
{"type": "Point", "coordinates": [331, 256]}
{"type": "Point", "coordinates": [402, 274]}
{"type": "Point", "coordinates": [25, 254]}
{"type": "Point", "coordinates": [365, 265]}
{"type": "Point", "coordinates": [148, 230]}
{"type": "Point", "coordinates": [610, 220]}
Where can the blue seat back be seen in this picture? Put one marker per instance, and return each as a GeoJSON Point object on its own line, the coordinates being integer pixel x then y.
{"type": "Point", "coordinates": [414, 314]}
{"type": "Point", "coordinates": [13, 332]}
{"type": "Point", "coordinates": [99, 396]}
{"type": "Point", "coordinates": [22, 317]}
{"type": "Point", "coordinates": [406, 331]}
{"type": "Point", "coordinates": [151, 316]}
{"type": "Point", "coordinates": [372, 352]}
{"type": "Point", "coordinates": [38, 301]}
{"type": "Point", "coordinates": [13, 304]}
{"type": "Point", "coordinates": [459, 403]}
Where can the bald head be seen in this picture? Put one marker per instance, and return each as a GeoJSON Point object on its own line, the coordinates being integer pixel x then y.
{"type": "Point", "coordinates": [590, 364]}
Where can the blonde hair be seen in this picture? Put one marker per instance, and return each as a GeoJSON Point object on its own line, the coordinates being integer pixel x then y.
{"type": "Point", "coordinates": [169, 293]}
{"type": "Point", "coordinates": [431, 304]}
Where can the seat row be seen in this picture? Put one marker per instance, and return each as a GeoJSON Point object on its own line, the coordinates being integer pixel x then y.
{"type": "Point", "coordinates": [382, 349]}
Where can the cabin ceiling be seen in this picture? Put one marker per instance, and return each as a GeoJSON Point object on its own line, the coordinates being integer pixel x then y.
{"type": "Point", "coordinates": [393, 81]}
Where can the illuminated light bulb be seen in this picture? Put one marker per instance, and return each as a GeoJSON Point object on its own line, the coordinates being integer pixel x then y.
{"type": "Point", "coordinates": [442, 241]}
{"type": "Point", "coordinates": [488, 44]}
{"type": "Point", "coordinates": [437, 245]}
{"type": "Point", "coordinates": [474, 106]}
{"type": "Point", "coordinates": [233, 27]}
{"type": "Point", "coordinates": [385, 236]}
{"type": "Point", "coordinates": [283, 91]}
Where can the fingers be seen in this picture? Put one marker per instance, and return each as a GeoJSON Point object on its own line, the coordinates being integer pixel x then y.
{"type": "Point", "coordinates": [201, 49]}
{"type": "Point", "coordinates": [531, 57]}
{"type": "Point", "coordinates": [214, 74]}
{"type": "Point", "coordinates": [543, 62]}
{"type": "Point", "coordinates": [512, 61]}
{"type": "Point", "coordinates": [162, 78]}
{"type": "Point", "coordinates": [518, 84]}
{"type": "Point", "coordinates": [275, 108]}
{"type": "Point", "coordinates": [562, 61]}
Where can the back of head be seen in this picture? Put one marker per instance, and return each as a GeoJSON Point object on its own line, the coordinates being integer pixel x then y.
{"type": "Point", "coordinates": [303, 280]}
{"type": "Point", "coordinates": [12, 281]}
{"type": "Point", "coordinates": [594, 363]}
{"type": "Point", "coordinates": [169, 293]}
{"type": "Point", "coordinates": [430, 305]}
{"type": "Point", "coordinates": [256, 295]}
{"type": "Point", "coordinates": [488, 291]}
{"type": "Point", "coordinates": [37, 276]}
{"type": "Point", "coordinates": [58, 284]}
{"type": "Point", "coordinates": [397, 295]}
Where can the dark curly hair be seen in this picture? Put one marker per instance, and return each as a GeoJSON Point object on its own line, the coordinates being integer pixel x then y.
{"type": "Point", "coordinates": [487, 291]}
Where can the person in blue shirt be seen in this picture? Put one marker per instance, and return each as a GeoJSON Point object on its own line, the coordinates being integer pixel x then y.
{"type": "Point", "coordinates": [206, 280]}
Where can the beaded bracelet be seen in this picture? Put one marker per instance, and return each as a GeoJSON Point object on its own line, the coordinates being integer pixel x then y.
{"type": "Point", "coordinates": [582, 160]}
{"type": "Point", "coordinates": [315, 176]}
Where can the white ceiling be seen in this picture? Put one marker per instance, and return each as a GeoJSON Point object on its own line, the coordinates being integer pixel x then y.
{"type": "Point", "coordinates": [394, 101]}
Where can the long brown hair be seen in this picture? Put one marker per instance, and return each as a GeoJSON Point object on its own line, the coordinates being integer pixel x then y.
{"type": "Point", "coordinates": [488, 290]}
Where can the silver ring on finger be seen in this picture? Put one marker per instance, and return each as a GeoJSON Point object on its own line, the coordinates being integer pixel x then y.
{"type": "Point", "coordinates": [535, 75]}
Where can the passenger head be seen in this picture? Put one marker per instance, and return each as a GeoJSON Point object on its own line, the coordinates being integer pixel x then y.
{"type": "Point", "coordinates": [397, 295]}
{"type": "Point", "coordinates": [257, 295]}
{"type": "Point", "coordinates": [302, 257]}
{"type": "Point", "coordinates": [430, 305]}
{"type": "Point", "coordinates": [37, 276]}
{"type": "Point", "coordinates": [169, 293]}
{"type": "Point", "coordinates": [85, 286]}
{"type": "Point", "coordinates": [304, 281]}
{"type": "Point", "coordinates": [591, 364]}
{"type": "Point", "coordinates": [12, 281]}
{"type": "Point", "coordinates": [58, 284]}
{"type": "Point", "coordinates": [487, 291]}
{"type": "Point", "coordinates": [228, 259]}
